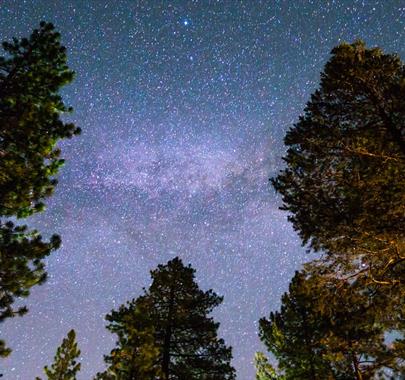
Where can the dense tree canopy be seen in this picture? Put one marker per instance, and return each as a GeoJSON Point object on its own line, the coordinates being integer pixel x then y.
{"type": "Point", "coordinates": [344, 184]}
{"type": "Point", "coordinates": [293, 335]}
{"type": "Point", "coordinates": [136, 355]}
{"type": "Point", "coordinates": [168, 330]}
{"type": "Point", "coordinates": [31, 73]}
{"type": "Point", "coordinates": [21, 267]}
{"type": "Point", "coordinates": [344, 187]}
{"type": "Point", "coordinates": [329, 332]}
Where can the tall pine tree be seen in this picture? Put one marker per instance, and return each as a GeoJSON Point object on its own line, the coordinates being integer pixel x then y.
{"type": "Point", "coordinates": [31, 74]}
{"type": "Point", "coordinates": [174, 312]}
{"type": "Point", "coordinates": [293, 334]}
{"type": "Point", "coordinates": [136, 355]}
{"type": "Point", "coordinates": [344, 184]}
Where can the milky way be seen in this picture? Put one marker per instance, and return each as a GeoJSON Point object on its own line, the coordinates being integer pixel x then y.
{"type": "Point", "coordinates": [183, 107]}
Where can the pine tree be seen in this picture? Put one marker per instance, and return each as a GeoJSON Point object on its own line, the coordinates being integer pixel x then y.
{"type": "Point", "coordinates": [31, 74]}
{"type": "Point", "coordinates": [344, 184]}
{"type": "Point", "coordinates": [65, 366]}
{"type": "Point", "coordinates": [21, 268]}
{"type": "Point", "coordinates": [175, 312]}
{"type": "Point", "coordinates": [328, 331]}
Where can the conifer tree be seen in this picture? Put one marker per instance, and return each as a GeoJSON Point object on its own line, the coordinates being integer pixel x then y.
{"type": "Point", "coordinates": [174, 311]}
{"type": "Point", "coordinates": [329, 331]}
{"type": "Point", "coordinates": [20, 268]}
{"type": "Point", "coordinates": [136, 355]}
{"type": "Point", "coordinates": [31, 73]}
{"type": "Point", "coordinates": [65, 366]}
{"type": "Point", "coordinates": [344, 184]}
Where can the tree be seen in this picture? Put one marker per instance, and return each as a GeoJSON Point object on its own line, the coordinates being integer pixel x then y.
{"type": "Point", "coordinates": [264, 370]}
{"type": "Point", "coordinates": [174, 311]}
{"type": "Point", "coordinates": [65, 366]}
{"type": "Point", "coordinates": [293, 335]}
{"type": "Point", "coordinates": [344, 185]}
{"type": "Point", "coordinates": [328, 331]}
{"type": "Point", "coordinates": [31, 74]}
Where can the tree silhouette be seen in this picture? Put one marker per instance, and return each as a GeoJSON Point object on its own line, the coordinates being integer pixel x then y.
{"type": "Point", "coordinates": [344, 185]}
{"type": "Point", "coordinates": [174, 311]}
{"type": "Point", "coordinates": [264, 370]}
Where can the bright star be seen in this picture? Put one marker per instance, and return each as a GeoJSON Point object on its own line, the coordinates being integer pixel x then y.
{"type": "Point", "coordinates": [185, 22]}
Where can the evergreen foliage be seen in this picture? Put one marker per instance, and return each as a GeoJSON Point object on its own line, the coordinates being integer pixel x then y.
{"type": "Point", "coordinates": [65, 366]}
{"type": "Point", "coordinates": [344, 188]}
{"type": "Point", "coordinates": [344, 184]}
{"type": "Point", "coordinates": [174, 312]}
{"type": "Point", "coordinates": [329, 331]}
{"type": "Point", "coordinates": [31, 73]}
{"type": "Point", "coordinates": [136, 355]}
{"type": "Point", "coordinates": [21, 267]}
{"type": "Point", "coordinates": [293, 335]}
{"type": "Point", "coordinates": [264, 370]}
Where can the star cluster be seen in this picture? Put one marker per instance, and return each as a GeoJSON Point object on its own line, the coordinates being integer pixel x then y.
{"type": "Point", "coordinates": [183, 107]}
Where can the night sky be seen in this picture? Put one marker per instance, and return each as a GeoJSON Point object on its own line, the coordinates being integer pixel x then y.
{"type": "Point", "coordinates": [183, 107]}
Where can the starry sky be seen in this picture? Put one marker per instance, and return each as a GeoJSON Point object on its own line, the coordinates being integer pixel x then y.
{"type": "Point", "coordinates": [183, 107]}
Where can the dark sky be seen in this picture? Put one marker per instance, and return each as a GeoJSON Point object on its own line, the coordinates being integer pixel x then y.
{"type": "Point", "coordinates": [183, 107]}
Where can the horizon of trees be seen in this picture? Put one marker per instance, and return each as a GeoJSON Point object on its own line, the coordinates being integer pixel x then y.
{"type": "Point", "coordinates": [343, 187]}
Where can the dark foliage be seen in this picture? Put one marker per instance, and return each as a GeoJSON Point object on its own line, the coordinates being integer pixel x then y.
{"type": "Point", "coordinates": [344, 187]}
{"type": "Point", "coordinates": [344, 184]}
{"type": "Point", "coordinates": [170, 327]}
{"type": "Point", "coordinates": [329, 331]}
{"type": "Point", "coordinates": [31, 74]}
